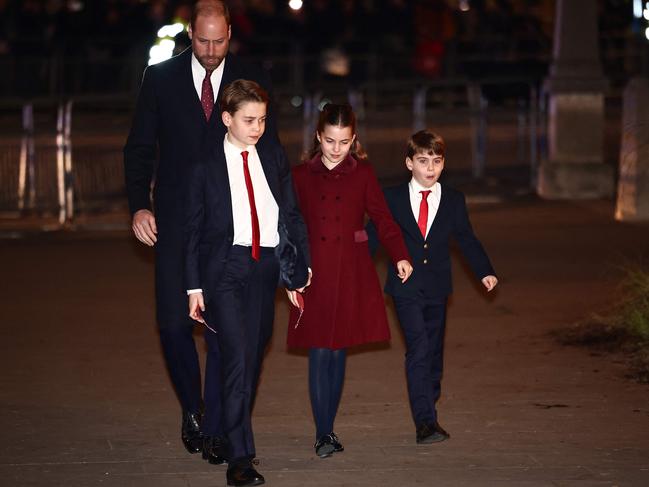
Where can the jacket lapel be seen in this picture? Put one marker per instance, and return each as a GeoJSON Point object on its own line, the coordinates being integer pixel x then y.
{"type": "Point", "coordinates": [187, 89]}
{"type": "Point", "coordinates": [404, 210]}
{"type": "Point", "coordinates": [440, 215]}
{"type": "Point", "coordinates": [270, 170]}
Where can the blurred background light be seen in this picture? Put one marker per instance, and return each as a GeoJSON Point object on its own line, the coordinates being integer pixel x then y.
{"type": "Point", "coordinates": [637, 9]}
{"type": "Point", "coordinates": [161, 51]}
{"type": "Point", "coordinates": [171, 30]}
{"type": "Point", "coordinates": [295, 4]}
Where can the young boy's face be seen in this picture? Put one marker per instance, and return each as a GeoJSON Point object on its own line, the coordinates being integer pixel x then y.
{"type": "Point", "coordinates": [247, 124]}
{"type": "Point", "coordinates": [426, 168]}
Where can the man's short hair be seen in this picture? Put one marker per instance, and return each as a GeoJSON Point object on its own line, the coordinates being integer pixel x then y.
{"type": "Point", "coordinates": [241, 91]}
{"type": "Point", "coordinates": [426, 142]}
{"type": "Point", "coordinates": [206, 8]}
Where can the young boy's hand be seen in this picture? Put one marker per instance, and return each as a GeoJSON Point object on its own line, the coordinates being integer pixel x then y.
{"type": "Point", "coordinates": [490, 282]}
{"type": "Point", "coordinates": [196, 305]}
{"type": "Point", "coordinates": [404, 269]}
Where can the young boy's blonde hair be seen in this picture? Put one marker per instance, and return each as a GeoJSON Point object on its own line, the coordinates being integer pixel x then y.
{"type": "Point", "coordinates": [427, 142]}
{"type": "Point", "coordinates": [241, 91]}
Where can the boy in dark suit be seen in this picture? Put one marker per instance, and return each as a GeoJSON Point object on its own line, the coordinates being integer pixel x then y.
{"type": "Point", "coordinates": [429, 213]}
{"type": "Point", "coordinates": [242, 232]}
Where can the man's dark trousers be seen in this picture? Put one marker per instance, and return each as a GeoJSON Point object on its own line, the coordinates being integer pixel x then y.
{"type": "Point", "coordinates": [242, 309]}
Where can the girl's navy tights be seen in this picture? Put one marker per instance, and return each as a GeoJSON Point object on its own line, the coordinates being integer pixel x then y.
{"type": "Point", "coordinates": [326, 376]}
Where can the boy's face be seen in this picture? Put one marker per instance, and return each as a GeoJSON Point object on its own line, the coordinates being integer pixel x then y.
{"type": "Point", "coordinates": [247, 124]}
{"type": "Point", "coordinates": [426, 168]}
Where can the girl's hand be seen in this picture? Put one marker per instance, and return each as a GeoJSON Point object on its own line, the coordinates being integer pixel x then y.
{"type": "Point", "coordinates": [196, 307]}
{"type": "Point", "coordinates": [490, 282]}
{"type": "Point", "coordinates": [404, 269]}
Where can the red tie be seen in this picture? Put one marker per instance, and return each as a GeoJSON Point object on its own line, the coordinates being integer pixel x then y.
{"type": "Point", "coordinates": [253, 207]}
{"type": "Point", "coordinates": [422, 221]}
{"type": "Point", "coordinates": [207, 95]}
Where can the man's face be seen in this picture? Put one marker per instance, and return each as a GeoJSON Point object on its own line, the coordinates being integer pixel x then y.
{"type": "Point", "coordinates": [247, 124]}
{"type": "Point", "coordinates": [210, 40]}
{"type": "Point", "coordinates": [426, 168]}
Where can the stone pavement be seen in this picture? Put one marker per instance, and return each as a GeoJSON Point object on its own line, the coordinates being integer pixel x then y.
{"type": "Point", "coordinates": [85, 400]}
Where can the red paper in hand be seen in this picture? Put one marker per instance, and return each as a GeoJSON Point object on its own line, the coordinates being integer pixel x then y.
{"type": "Point", "coordinates": [300, 305]}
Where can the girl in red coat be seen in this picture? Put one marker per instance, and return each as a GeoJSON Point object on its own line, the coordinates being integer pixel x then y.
{"type": "Point", "coordinates": [344, 305]}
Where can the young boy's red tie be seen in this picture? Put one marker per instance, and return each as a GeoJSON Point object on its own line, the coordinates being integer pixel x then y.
{"type": "Point", "coordinates": [422, 221]}
{"type": "Point", "coordinates": [253, 208]}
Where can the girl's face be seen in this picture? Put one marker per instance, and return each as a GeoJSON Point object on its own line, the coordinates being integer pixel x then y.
{"type": "Point", "coordinates": [335, 143]}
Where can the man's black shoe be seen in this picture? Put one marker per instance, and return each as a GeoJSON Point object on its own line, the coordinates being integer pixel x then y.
{"type": "Point", "coordinates": [431, 433]}
{"type": "Point", "coordinates": [243, 473]}
{"type": "Point", "coordinates": [214, 450]}
{"type": "Point", "coordinates": [190, 432]}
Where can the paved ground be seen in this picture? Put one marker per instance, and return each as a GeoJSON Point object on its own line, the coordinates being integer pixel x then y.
{"type": "Point", "coordinates": [85, 401]}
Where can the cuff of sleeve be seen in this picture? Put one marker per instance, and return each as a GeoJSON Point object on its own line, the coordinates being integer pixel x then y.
{"type": "Point", "coordinates": [194, 291]}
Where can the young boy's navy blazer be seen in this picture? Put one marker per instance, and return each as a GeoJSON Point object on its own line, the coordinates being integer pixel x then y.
{"type": "Point", "coordinates": [431, 258]}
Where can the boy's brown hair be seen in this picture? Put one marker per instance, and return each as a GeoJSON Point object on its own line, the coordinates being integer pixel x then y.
{"type": "Point", "coordinates": [427, 142]}
{"type": "Point", "coordinates": [241, 91]}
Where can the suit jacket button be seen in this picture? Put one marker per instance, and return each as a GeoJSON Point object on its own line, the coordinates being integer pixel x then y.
{"type": "Point", "coordinates": [425, 246]}
{"type": "Point", "coordinates": [323, 238]}
{"type": "Point", "coordinates": [322, 197]}
{"type": "Point", "coordinates": [337, 198]}
{"type": "Point", "coordinates": [425, 261]}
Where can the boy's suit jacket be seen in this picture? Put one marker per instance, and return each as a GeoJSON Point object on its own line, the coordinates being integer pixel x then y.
{"type": "Point", "coordinates": [431, 257]}
{"type": "Point", "coordinates": [209, 226]}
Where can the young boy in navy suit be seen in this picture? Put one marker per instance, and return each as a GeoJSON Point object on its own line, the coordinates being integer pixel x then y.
{"type": "Point", "coordinates": [243, 232]}
{"type": "Point", "coordinates": [429, 213]}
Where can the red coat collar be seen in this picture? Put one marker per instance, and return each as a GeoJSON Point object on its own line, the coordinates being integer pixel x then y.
{"type": "Point", "coordinates": [347, 165]}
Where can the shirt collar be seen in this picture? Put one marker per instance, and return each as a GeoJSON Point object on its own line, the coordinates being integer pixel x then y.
{"type": "Point", "coordinates": [197, 67]}
{"type": "Point", "coordinates": [231, 148]}
{"type": "Point", "coordinates": [415, 187]}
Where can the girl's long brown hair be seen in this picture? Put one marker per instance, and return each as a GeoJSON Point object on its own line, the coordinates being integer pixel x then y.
{"type": "Point", "coordinates": [338, 115]}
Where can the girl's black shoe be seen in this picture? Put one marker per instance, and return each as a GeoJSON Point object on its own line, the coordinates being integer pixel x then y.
{"type": "Point", "coordinates": [324, 447]}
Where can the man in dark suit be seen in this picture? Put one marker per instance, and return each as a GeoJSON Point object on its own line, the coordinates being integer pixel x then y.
{"type": "Point", "coordinates": [239, 207]}
{"type": "Point", "coordinates": [174, 114]}
{"type": "Point", "coordinates": [429, 214]}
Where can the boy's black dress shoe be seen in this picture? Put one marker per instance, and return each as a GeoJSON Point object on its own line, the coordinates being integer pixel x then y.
{"type": "Point", "coordinates": [190, 432]}
{"type": "Point", "coordinates": [214, 450]}
{"type": "Point", "coordinates": [431, 433]}
{"type": "Point", "coordinates": [243, 473]}
{"type": "Point", "coordinates": [324, 447]}
{"type": "Point", "coordinates": [338, 447]}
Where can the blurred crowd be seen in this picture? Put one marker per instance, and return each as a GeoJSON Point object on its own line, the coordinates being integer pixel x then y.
{"type": "Point", "coordinates": [70, 46]}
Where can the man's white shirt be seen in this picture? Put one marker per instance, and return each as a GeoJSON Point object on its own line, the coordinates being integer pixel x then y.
{"type": "Point", "coordinates": [198, 75]}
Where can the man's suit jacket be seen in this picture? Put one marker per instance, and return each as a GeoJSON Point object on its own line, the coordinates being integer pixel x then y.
{"type": "Point", "coordinates": [431, 257]}
{"type": "Point", "coordinates": [170, 127]}
{"type": "Point", "coordinates": [209, 226]}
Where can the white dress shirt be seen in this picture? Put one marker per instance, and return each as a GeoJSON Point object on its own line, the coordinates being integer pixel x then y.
{"type": "Point", "coordinates": [267, 208]}
{"type": "Point", "coordinates": [433, 200]}
{"type": "Point", "coordinates": [198, 74]}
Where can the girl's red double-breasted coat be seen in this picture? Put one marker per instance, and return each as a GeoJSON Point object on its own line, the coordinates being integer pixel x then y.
{"type": "Point", "coordinates": [344, 305]}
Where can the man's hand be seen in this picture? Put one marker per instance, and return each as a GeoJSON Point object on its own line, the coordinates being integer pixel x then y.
{"type": "Point", "coordinates": [490, 282]}
{"type": "Point", "coordinates": [196, 306]}
{"type": "Point", "coordinates": [144, 227]}
{"type": "Point", "coordinates": [404, 269]}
